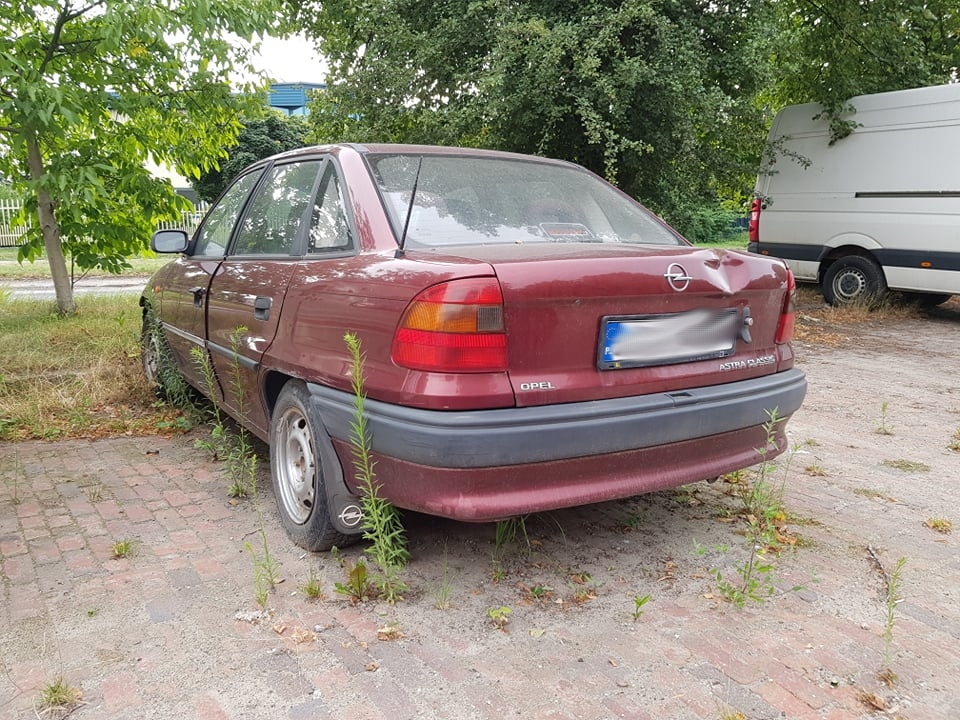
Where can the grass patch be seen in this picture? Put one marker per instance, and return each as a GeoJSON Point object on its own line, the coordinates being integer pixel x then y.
{"type": "Point", "coordinates": [910, 466]}
{"type": "Point", "coordinates": [10, 269]}
{"type": "Point", "coordinates": [78, 376]}
{"type": "Point", "coordinates": [823, 324]}
{"type": "Point", "coordinates": [59, 696]}
{"type": "Point", "coordinates": [941, 525]}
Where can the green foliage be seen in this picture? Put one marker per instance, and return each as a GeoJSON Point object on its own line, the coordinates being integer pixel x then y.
{"type": "Point", "coordinates": [830, 52]}
{"type": "Point", "coordinates": [638, 604]}
{"type": "Point", "coordinates": [59, 695]}
{"type": "Point", "coordinates": [93, 91]}
{"type": "Point", "coordinates": [258, 138]}
{"type": "Point", "coordinates": [359, 587]}
{"type": "Point", "coordinates": [653, 96]}
{"type": "Point", "coordinates": [765, 517]}
{"type": "Point", "coordinates": [382, 525]}
{"type": "Point", "coordinates": [894, 587]}
{"type": "Point", "coordinates": [499, 616]}
{"type": "Point", "coordinates": [234, 448]}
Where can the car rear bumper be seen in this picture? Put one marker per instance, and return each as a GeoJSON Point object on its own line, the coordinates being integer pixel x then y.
{"type": "Point", "coordinates": [545, 434]}
{"type": "Point", "coordinates": [495, 493]}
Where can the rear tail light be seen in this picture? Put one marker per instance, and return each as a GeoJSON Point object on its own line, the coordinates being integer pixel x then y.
{"type": "Point", "coordinates": [788, 313]}
{"type": "Point", "coordinates": [753, 230]}
{"type": "Point", "coordinates": [456, 326]}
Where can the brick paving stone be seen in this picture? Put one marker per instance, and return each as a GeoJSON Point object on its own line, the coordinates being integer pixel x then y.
{"type": "Point", "coordinates": [171, 606]}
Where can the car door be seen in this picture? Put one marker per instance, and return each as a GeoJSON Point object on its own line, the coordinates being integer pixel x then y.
{"type": "Point", "coordinates": [184, 295]}
{"type": "Point", "coordinates": [247, 292]}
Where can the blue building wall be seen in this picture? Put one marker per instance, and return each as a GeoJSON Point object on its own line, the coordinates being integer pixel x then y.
{"type": "Point", "coordinates": [292, 97]}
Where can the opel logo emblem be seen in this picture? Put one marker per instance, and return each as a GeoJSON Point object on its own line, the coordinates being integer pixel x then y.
{"type": "Point", "coordinates": [677, 277]}
{"type": "Point", "coordinates": [351, 516]}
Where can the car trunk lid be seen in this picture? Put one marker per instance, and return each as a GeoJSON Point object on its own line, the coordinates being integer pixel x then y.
{"type": "Point", "coordinates": [599, 321]}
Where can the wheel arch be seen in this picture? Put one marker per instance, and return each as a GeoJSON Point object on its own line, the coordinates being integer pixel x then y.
{"type": "Point", "coordinates": [831, 254]}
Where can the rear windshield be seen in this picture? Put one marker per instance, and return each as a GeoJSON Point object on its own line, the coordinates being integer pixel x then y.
{"type": "Point", "coordinates": [464, 200]}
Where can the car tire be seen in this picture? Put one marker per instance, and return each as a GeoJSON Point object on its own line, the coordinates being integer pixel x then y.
{"type": "Point", "coordinates": [853, 279]}
{"type": "Point", "coordinates": [296, 469]}
{"type": "Point", "coordinates": [158, 368]}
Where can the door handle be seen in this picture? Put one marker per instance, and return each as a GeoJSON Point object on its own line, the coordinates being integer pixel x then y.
{"type": "Point", "coordinates": [261, 307]}
{"type": "Point", "coordinates": [198, 293]}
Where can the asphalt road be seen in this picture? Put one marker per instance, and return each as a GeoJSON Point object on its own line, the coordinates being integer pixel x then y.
{"type": "Point", "coordinates": [42, 289]}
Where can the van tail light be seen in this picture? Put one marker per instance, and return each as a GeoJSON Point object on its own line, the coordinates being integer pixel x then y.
{"type": "Point", "coordinates": [788, 313]}
{"type": "Point", "coordinates": [454, 327]}
{"type": "Point", "coordinates": [753, 229]}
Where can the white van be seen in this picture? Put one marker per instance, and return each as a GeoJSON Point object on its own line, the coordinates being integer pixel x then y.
{"type": "Point", "coordinates": [877, 209]}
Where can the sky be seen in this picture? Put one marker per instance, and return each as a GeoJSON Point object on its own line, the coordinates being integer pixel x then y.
{"type": "Point", "coordinates": [291, 60]}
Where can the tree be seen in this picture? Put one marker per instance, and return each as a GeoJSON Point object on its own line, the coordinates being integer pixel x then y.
{"type": "Point", "coordinates": [830, 51]}
{"type": "Point", "coordinates": [258, 138]}
{"type": "Point", "coordinates": [646, 92]}
{"type": "Point", "coordinates": [90, 90]}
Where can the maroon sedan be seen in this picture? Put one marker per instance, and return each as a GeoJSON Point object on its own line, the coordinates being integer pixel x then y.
{"type": "Point", "coordinates": [534, 338]}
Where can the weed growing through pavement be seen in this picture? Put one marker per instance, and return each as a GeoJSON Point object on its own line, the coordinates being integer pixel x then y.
{"type": "Point", "coordinates": [868, 493]}
{"type": "Point", "coordinates": [583, 587]}
{"type": "Point", "coordinates": [765, 515]}
{"type": "Point", "coordinates": [732, 715]}
{"type": "Point", "coordinates": [445, 587]}
{"type": "Point", "coordinates": [910, 466]}
{"type": "Point", "coordinates": [941, 525]}
{"type": "Point", "coordinates": [312, 588]}
{"type": "Point", "coordinates": [538, 593]}
{"type": "Point", "coordinates": [815, 471]}
{"type": "Point", "coordinates": [954, 443]}
{"type": "Point", "coordinates": [381, 519]}
{"type": "Point", "coordinates": [894, 585]}
{"type": "Point", "coordinates": [94, 492]}
{"type": "Point", "coordinates": [122, 548]}
{"type": "Point", "coordinates": [639, 601]}
{"type": "Point", "coordinates": [499, 616]}
{"type": "Point", "coordinates": [266, 569]}
{"type": "Point", "coordinates": [359, 587]}
{"type": "Point", "coordinates": [60, 696]}
{"type": "Point", "coordinates": [881, 425]}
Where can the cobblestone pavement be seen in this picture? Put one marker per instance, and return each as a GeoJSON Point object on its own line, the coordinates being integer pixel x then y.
{"type": "Point", "coordinates": [173, 631]}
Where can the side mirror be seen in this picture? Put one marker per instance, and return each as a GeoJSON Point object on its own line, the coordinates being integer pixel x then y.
{"type": "Point", "coordinates": [169, 241]}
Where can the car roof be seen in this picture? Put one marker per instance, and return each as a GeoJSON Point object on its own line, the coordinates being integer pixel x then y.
{"type": "Point", "coordinates": [409, 149]}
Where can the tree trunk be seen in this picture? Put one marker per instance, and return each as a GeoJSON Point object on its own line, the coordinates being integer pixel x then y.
{"type": "Point", "coordinates": [51, 232]}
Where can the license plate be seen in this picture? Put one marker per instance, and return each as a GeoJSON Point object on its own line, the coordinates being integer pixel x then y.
{"type": "Point", "coordinates": [646, 340]}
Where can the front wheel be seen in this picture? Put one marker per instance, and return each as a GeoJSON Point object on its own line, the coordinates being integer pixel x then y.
{"type": "Point", "coordinates": [853, 279]}
{"type": "Point", "coordinates": [158, 364]}
{"type": "Point", "coordinates": [296, 469]}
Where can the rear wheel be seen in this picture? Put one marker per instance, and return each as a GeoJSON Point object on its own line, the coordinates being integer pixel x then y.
{"type": "Point", "coordinates": [853, 279]}
{"type": "Point", "coordinates": [296, 468]}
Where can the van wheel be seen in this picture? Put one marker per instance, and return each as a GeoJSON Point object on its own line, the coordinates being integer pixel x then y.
{"type": "Point", "coordinates": [853, 279]}
{"type": "Point", "coordinates": [297, 471]}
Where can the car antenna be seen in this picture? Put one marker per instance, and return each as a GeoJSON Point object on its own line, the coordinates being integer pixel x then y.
{"type": "Point", "coordinates": [413, 196]}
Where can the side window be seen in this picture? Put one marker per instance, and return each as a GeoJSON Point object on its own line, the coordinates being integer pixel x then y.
{"type": "Point", "coordinates": [329, 229]}
{"type": "Point", "coordinates": [272, 223]}
{"type": "Point", "coordinates": [214, 235]}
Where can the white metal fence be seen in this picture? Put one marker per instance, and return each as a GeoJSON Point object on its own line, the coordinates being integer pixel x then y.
{"type": "Point", "coordinates": [11, 233]}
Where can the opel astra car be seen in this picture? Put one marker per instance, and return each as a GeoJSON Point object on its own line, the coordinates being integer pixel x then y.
{"type": "Point", "coordinates": [533, 338]}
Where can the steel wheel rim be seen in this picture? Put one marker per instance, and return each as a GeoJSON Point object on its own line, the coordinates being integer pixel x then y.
{"type": "Point", "coordinates": [295, 465]}
{"type": "Point", "coordinates": [850, 284]}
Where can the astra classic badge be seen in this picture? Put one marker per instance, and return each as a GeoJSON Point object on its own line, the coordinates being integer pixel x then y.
{"type": "Point", "coordinates": [677, 277]}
